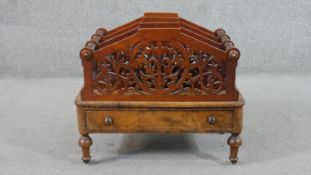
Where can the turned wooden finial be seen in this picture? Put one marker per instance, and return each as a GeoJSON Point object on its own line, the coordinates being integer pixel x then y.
{"type": "Point", "coordinates": [101, 31]}
{"type": "Point", "coordinates": [219, 32]}
{"type": "Point", "coordinates": [86, 54]}
{"type": "Point", "coordinates": [234, 53]}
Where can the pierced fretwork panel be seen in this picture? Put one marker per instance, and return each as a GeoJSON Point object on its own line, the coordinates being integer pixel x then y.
{"type": "Point", "coordinates": [159, 68]}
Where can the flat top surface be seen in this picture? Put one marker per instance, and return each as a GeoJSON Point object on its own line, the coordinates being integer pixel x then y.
{"type": "Point", "coordinates": [39, 134]}
{"type": "Point", "coordinates": [168, 104]}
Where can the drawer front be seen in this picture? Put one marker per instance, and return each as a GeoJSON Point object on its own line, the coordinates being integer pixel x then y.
{"type": "Point", "coordinates": [159, 121]}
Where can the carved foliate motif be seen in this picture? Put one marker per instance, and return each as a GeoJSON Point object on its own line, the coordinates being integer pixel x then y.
{"type": "Point", "coordinates": [158, 68]}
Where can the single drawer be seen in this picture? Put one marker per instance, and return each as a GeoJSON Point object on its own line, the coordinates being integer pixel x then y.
{"type": "Point", "coordinates": [159, 121]}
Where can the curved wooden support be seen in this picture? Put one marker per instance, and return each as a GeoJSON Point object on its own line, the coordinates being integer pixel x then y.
{"type": "Point", "coordinates": [235, 142]}
{"type": "Point", "coordinates": [85, 143]}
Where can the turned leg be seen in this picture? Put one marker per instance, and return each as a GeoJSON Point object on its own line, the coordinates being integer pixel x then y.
{"type": "Point", "coordinates": [85, 143]}
{"type": "Point", "coordinates": [235, 142]}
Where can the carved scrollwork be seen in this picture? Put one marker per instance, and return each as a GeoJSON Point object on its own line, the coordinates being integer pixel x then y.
{"type": "Point", "coordinates": [158, 68]}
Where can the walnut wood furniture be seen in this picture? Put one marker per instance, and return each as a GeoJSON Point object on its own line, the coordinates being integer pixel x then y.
{"type": "Point", "coordinates": [159, 73]}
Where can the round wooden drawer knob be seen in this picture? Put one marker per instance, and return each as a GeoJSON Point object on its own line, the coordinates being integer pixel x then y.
{"type": "Point", "coordinates": [211, 120]}
{"type": "Point", "coordinates": [108, 121]}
